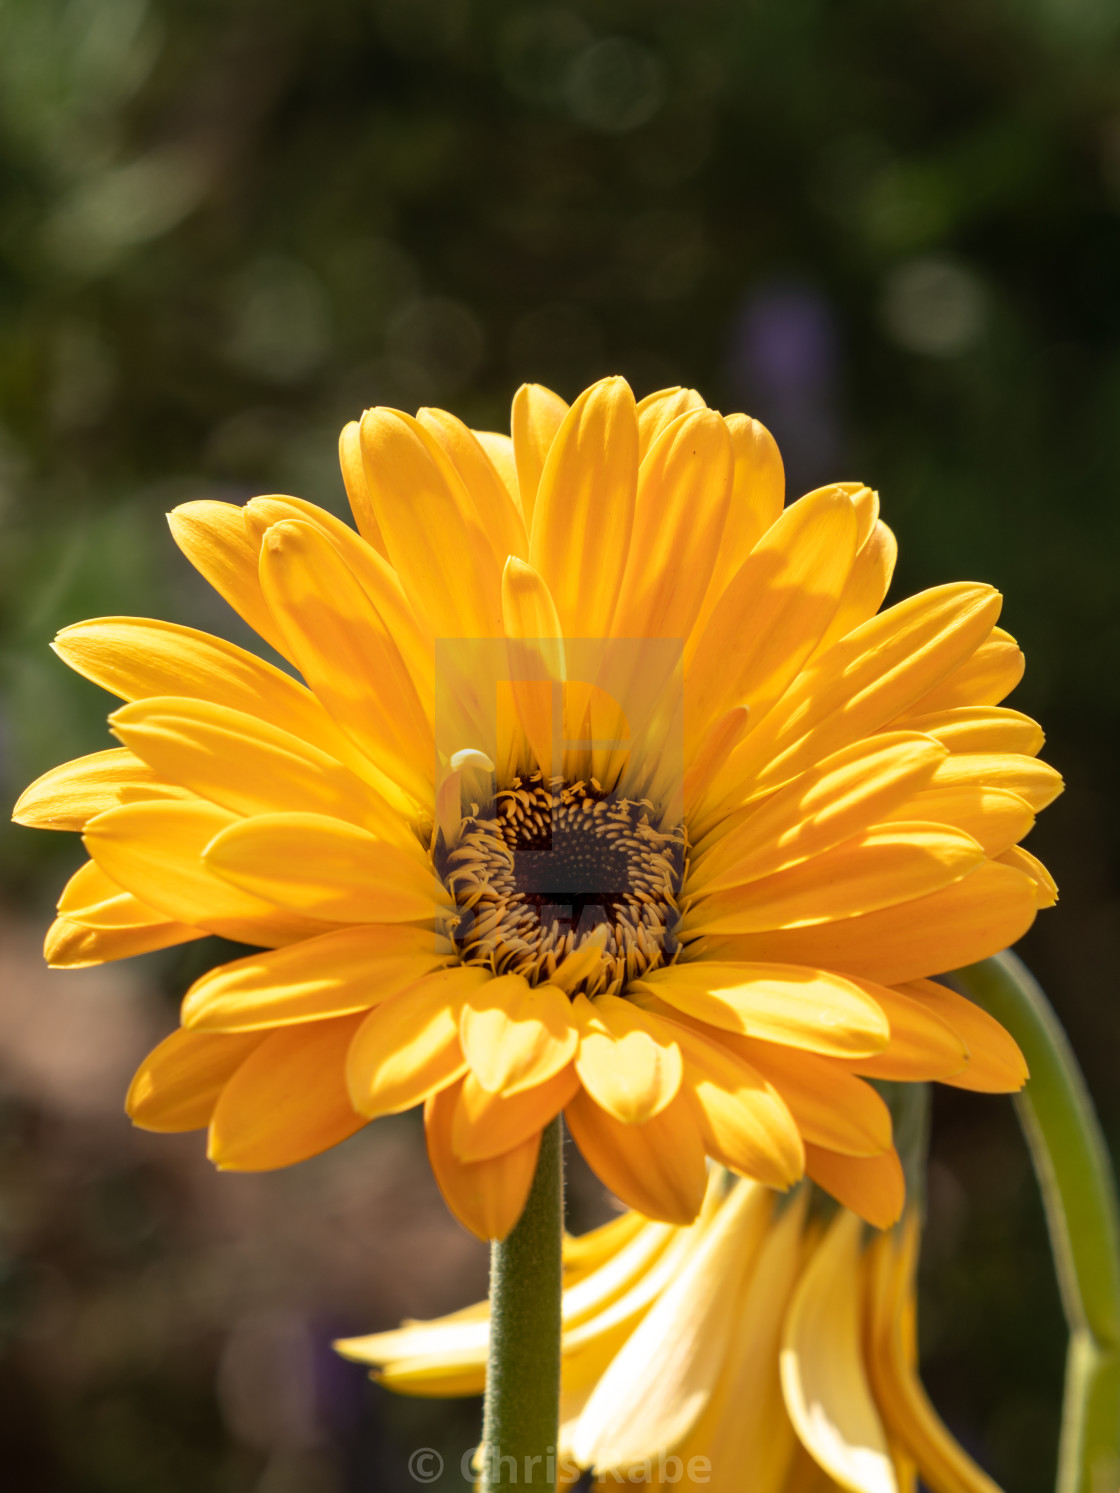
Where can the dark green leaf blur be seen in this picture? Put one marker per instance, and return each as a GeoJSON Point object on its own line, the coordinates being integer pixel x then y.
{"type": "Point", "coordinates": [890, 231]}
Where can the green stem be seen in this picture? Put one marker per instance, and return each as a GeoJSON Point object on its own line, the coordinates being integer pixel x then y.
{"type": "Point", "coordinates": [521, 1418]}
{"type": "Point", "coordinates": [1079, 1194]}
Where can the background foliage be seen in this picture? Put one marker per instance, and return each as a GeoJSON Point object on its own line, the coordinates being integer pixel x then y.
{"type": "Point", "coordinates": [891, 231]}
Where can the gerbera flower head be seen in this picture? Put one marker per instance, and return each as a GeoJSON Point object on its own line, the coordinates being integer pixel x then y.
{"type": "Point", "coordinates": [770, 1340]}
{"type": "Point", "coordinates": [596, 782]}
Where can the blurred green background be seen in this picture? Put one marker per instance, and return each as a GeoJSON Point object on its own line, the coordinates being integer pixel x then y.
{"type": "Point", "coordinates": [891, 231]}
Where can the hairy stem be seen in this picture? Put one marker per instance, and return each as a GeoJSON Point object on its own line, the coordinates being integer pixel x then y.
{"type": "Point", "coordinates": [522, 1410]}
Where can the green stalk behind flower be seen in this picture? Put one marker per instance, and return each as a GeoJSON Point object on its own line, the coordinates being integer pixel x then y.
{"type": "Point", "coordinates": [1079, 1194]}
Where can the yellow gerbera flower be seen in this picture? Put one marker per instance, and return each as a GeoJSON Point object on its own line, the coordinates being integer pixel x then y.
{"type": "Point", "coordinates": [763, 1346]}
{"type": "Point", "coordinates": [606, 789]}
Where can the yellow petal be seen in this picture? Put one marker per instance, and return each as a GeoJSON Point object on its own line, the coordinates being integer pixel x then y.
{"type": "Point", "coordinates": [1045, 887]}
{"type": "Point", "coordinates": [588, 487]}
{"type": "Point", "coordinates": [866, 586]}
{"type": "Point", "coordinates": [923, 1045]}
{"type": "Point", "coordinates": [806, 1476]}
{"type": "Point", "coordinates": [1034, 781]}
{"type": "Point", "coordinates": [981, 728]}
{"type": "Point", "coordinates": [498, 514]}
{"type": "Point", "coordinates": [177, 1085]}
{"type": "Point", "coordinates": [515, 1035]}
{"type": "Point", "coordinates": [499, 448]}
{"type": "Point", "coordinates": [487, 1197]}
{"type": "Point", "coordinates": [831, 1108]}
{"type": "Point", "coordinates": [433, 534]}
{"type": "Point", "coordinates": [867, 679]}
{"type": "Point", "coordinates": [873, 1187]}
{"type": "Point", "coordinates": [866, 503]}
{"type": "Point", "coordinates": [656, 412]}
{"type": "Point", "coordinates": [987, 911]}
{"type": "Point", "coordinates": [73, 945]}
{"type": "Point", "coordinates": [909, 1416]}
{"type": "Point", "coordinates": [684, 488]}
{"type": "Point", "coordinates": [409, 1047]}
{"type": "Point", "coordinates": [287, 1101]}
{"type": "Point", "coordinates": [995, 1064]}
{"type": "Point", "coordinates": [536, 416]}
{"type": "Point", "coordinates": [246, 765]}
{"type": "Point", "coordinates": [658, 1167]}
{"type": "Point", "coordinates": [743, 1120]}
{"type": "Point", "coordinates": [155, 850]}
{"type": "Point", "coordinates": [323, 868]}
{"type": "Point", "coordinates": [819, 810]}
{"type": "Point", "coordinates": [370, 569]}
{"type": "Point", "coordinates": [441, 1358]}
{"type": "Point", "coordinates": [984, 678]}
{"type": "Point", "coordinates": [93, 898]}
{"type": "Point", "coordinates": [882, 867]}
{"type": "Point", "coordinates": [602, 1266]}
{"type": "Point", "coordinates": [488, 1124]}
{"type": "Point", "coordinates": [659, 1383]}
{"type": "Point", "coordinates": [585, 1253]}
{"type": "Point", "coordinates": [601, 1312]}
{"type": "Point", "coordinates": [784, 1003]}
{"type": "Point", "coordinates": [710, 751]}
{"type": "Point", "coordinates": [584, 963]}
{"type": "Point", "coordinates": [503, 736]}
{"type": "Point", "coordinates": [351, 969]}
{"type": "Point", "coordinates": [745, 1424]}
{"type": "Point", "coordinates": [135, 657]}
{"type": "Point", "coordinates": [994, 817]}
{"type": "Point", "coordinates": [537, 663]}
{"type": "Point", "coordinates": [757, 493]}
{"type": "Point", "coordinates": [357, 489]}
{"type": "Point", "coordinates": [212, 536]}
{"type": "Point", "coordinates": [68, 797]}
{"type": "Point", "coordinates": [343, 649]}
{"type": "Point", "coordinates": [117, 923]}
{"type": "Point", "coordinates": [774, 610]}
{"type": "Point", "coordinates": [631, 716]}
{"type": "Point", "coordinates": [627, 1061]}
{"type": "Point", "coordinates": [823, 1377]}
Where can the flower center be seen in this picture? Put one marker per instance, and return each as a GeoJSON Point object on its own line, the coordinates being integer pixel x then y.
{"type": "Point", "coordinates": [555, 862]}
